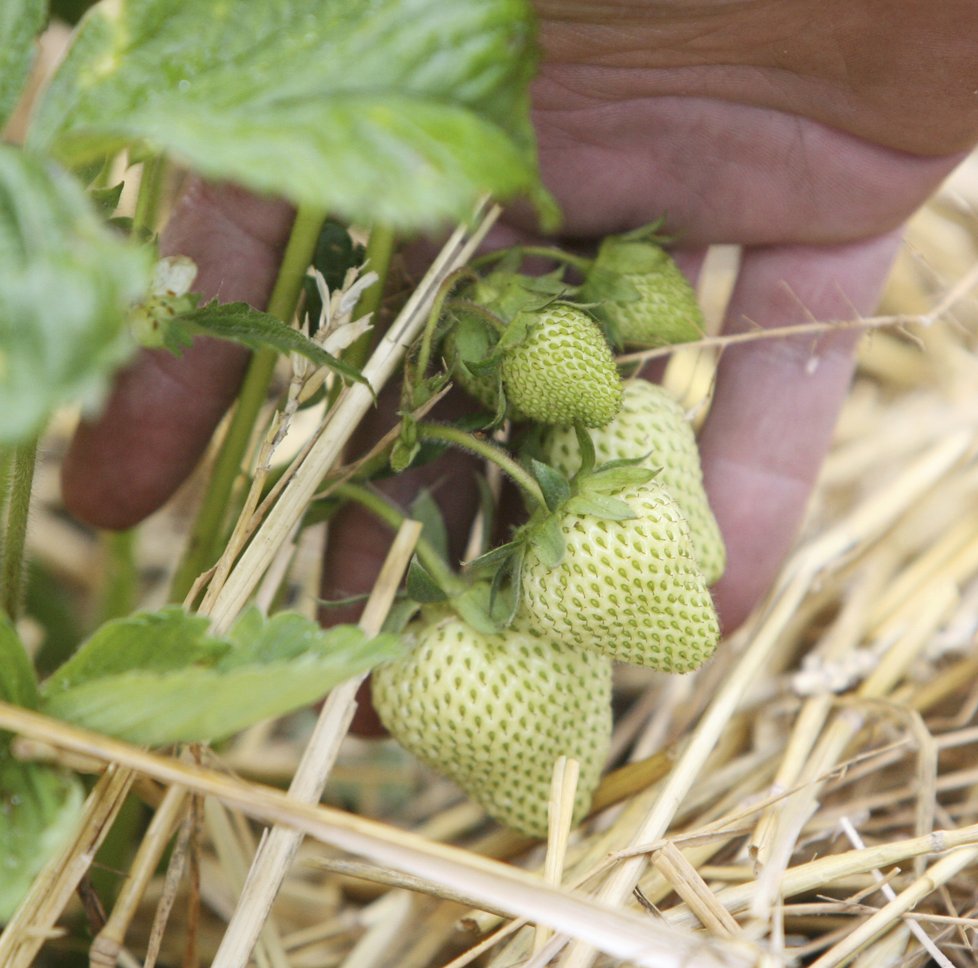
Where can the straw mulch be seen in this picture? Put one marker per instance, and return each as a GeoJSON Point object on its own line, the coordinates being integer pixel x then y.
{"type": "Point", "coordinates": [809, 797]}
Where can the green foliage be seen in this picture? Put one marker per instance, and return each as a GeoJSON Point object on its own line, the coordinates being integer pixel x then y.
{"type": "Point", "coordinates": [38, 805]}
{"type": "Point", "coordinates": [20, 23]}
{"type": "Point", "coordinates": [240, 323]}
{"type": "Point", "coordinates": [401, 112]}
{"type": "Point", "coordinates": [38, 810]}
{"type": "Point", "coordinates": [159, 678]}
{"type": "Point", "coordinates": [65, 283]}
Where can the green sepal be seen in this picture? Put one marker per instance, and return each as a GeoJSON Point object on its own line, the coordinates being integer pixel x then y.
{"type": "Point", "coordinates": [548, 540]}
{"type": "Point", "coordinates": [601, 506]}
{"type": "Point", "coordinates": [421, 585]}
{"type": "Point", "coordinates": [606, 284]}
{"type": "Point", "coordinates": [556, 488]}
{"type": "Point", "coordinates": [615, 475]}
{"type": "Point", "coordinates": [474, 605]}
{"type": "Point", "coordinates": [424, 509]}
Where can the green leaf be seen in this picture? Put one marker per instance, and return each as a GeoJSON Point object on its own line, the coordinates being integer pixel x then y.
{"type": "Point", "coordinates": [18, 684]}
{"type": "Point", "coordinates": [240, 323]}
{"type": "Point", "coordinates": [399, 112]}
{"type": "Point", "coordinates": [20, 22]}
{"type": "Point", "coordinates": [162, 641]}
{"type": "Point", "coordinates": [66, 282]}
{"type": "Point", "coordinates": [616, 475]}
{"type": "Point", "coordinates": [39, 809]}
{"type": "Point", "coordinates": [554, 485]}
{"type": "Point", "coordinates": [265, 668]}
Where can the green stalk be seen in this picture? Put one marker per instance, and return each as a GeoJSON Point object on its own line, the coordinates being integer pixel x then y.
{"type": "Point", "coordinates": [148, 200]}
{"type": "Point", "coordinates": [428, 336]}
{"type": "Point", "coordinates": [17, 487]}
{"type": "Point", "coordinates": [484, 448]}
{"type": "Point", "coordinates": [546, 251]}
{"type": "Point", "coordinates": [207, 534]}
{"type": "Point", "coordinates": [120, 592]}
{"type": "Point", "coordinates": [392, 516]}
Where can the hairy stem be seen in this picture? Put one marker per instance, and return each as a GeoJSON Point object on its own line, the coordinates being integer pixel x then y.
{"type": "Point", "coordinates": [484, 448]}
{"type": "Point", "coordinates": [16, 486]}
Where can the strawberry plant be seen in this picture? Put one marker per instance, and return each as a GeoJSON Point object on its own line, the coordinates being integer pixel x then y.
{"type": "Point", "coordinates": [392, 117]}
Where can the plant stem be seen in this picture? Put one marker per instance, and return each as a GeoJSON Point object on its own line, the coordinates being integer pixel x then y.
{"type": "Point", "coordinates": [546, 251]}
{"type": "Point", "coordinates": [148, 200]}
{"type": "Point", "coordinates": [482, 447]}
{"type": "Point", "coordinates": [17, 490]}
{"type": "Point", "coordinates": [392, 516]}
{"type": "Point", "coordinates": [121, 581]}
{"type": "Point", "coordinates": [204, 545]}
{"type": "Point", "coordinates": [428, 336]}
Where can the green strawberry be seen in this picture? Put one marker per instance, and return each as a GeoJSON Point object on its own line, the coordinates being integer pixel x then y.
{"type": "Point", "coordinates": [561, 371]}
{"type": "Point", "coordinates": [494, 712]}
{"type": "Point", "coordinates": [628, 589]}
{"type": "Point", "coordinates": [652, 425]}
{"type": "Point", "coordinates": [642, 294]}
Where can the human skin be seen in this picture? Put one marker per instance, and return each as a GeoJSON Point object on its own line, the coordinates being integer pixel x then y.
{"type": "Point", "coordinates": [805, 132]}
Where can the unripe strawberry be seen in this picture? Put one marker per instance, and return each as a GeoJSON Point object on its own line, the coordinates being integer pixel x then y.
{"type": "Point", "coordinates": [643, 294]}
{"type": "Point", "coordinates": [652, 425]}
{"type": "Point", "coordinates": [629, 589]}
{"type": "Point", "coordinates": [562, 371]}
{"type": "Point", "coordinates": [494, 712]}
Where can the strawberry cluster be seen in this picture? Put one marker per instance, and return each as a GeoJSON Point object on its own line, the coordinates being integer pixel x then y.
{"type": "Point", "coordinates": [508, 666]}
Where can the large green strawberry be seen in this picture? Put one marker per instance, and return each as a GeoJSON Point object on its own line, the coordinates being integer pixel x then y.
{"type": "Point", "coordinates": [494, 712]}
{"type": "Point", "coordinates": [628, 589]}
{"type": "Point", "coordinates": [561, 370]}
{"type": "Point", "coordinates": [642, 294]}
{"type": "Point", "coordinates": [652, 425]}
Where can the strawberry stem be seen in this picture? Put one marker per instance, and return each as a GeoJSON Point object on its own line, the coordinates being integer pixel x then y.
{"type": "Point", "coordinates": [428, 337]}
{"type": "Point", "coordinates": [546, 251]}
{"type": "Point", "coordinates": [484, 448]}
{"type": "Point", "coordinates": [388, 512]}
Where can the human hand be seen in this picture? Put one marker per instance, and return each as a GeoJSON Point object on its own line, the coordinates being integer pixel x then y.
{"type": "Point", "coordinates": [807, 135]}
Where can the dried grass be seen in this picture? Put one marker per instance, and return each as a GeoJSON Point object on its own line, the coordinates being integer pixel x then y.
{"type": "Point", "coordinates": [809, 796]}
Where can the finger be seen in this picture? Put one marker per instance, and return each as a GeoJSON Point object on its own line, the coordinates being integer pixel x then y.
{"type": "Point", "coordinates": [163, 409]}
{"type": "Point", "coordinates": [777, 400]}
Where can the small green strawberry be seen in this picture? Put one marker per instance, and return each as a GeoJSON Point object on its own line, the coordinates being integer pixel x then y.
{"type": "Point", "coordinates": [652, 425]}
{"type": "Point", "coordinates": [561, 370]}
{"type": "Point", "coordinates": [629, 589]}
{"type": "Point", "coordinates": [494, 712]}
{"type": "Point", "coordinates": [642, 294]}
